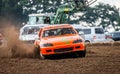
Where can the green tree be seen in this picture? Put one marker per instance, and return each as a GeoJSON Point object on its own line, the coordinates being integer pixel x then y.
{"type": "Point", "coordinates": [106, 14]}
{"type": "Point", "coordinates": [0, 6]}
{"type": "Point", "coordinates": [19, 9]}
{"type": "Point", "coordinates": [11, 10]}
{"type": "Point", "coordinates": [37, 6]}
{"type": "Point", "coordinates": [90, 16]}
{"type": "Point", "coordinates": [31, 6]}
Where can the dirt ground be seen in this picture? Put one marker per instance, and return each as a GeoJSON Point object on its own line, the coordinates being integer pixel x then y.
{"type": "Point", "coordinates": [17, 58]}
{"type": "Point", "coordinates": [100, 59]}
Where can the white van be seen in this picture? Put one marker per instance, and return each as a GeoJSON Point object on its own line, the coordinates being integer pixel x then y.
{"type": "Point", "coordinates": [94, 34]}
{"type": "Point", "coordinates": [79, 29]}
{"type": "Point", "coordinates": [91, 34]}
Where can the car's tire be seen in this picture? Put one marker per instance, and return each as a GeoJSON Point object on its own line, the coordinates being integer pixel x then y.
{"type": "Point", "coordinates": [42, 56]}
{"type": "Point", "coordinates": [36, 52]}
{"type": "Point", "coordinates": [87, 41]}
{"type": "Point", "coordinates": [81, 53]}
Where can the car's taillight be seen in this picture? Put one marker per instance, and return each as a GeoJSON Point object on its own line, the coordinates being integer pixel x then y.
{"type": "Point", "coordinates": [94, 37]}
{"type": "Point", "coordinates": [108, 37]}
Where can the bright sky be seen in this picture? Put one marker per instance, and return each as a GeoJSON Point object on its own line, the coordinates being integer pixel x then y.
{"type": "Point", "coordinates": [111, 2]}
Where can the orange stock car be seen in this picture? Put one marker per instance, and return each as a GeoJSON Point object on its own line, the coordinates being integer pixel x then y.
{"type": "Point", "coordinates": [58, 39]}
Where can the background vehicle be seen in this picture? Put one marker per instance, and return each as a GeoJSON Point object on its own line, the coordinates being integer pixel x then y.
{"type": "Point", "coordinates": [29, 32]}
{"type": "Point", "coordinates": [73, 6]}
{"type": "Point", "coordinates": [94, 34]}
{"type": "Point", "coordinates": [109, 37]}
{"type": "Point", "coordinates": [42, 18]}
{"type": "Point", "coordinates": [115, 35]}
{"type": "Point", "coordinates": [62, 15]}
{"type": "Point", "coordinates": [79, 29]}
{"type": "Point", "coordinates": [58, 39]}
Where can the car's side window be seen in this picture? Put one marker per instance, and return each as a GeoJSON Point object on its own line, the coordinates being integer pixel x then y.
{"type": "Point", "coordinates": [87, 31]}
{"type": "Point", "coordinates": [99, 31]}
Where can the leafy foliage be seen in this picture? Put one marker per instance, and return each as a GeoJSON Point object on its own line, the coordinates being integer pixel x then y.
{"type": "Point", "coordinates": [106, 14]}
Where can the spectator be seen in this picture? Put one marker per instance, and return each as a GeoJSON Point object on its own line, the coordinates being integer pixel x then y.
{"type": "Point", "coordinates": [47, 20]}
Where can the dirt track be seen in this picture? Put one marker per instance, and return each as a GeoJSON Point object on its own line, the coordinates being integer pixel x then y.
{"type": "Point", "coordinates": [103, 59]}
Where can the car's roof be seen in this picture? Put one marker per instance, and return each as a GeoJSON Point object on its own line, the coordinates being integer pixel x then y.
{"type": "Point", "coordinates": [83, 27]}
{"type": "Point", "coordinates": [116, 32]}
{"type": "Point", "coordinates": [41, 25]}
{"type": "Point", "coordinates": [57, 26]}
{"type": "Point", "coordinates": [91, 27]}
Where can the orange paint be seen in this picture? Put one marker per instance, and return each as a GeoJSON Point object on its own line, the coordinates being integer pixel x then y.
{"type": "Point", "coordinates": [58, 44]}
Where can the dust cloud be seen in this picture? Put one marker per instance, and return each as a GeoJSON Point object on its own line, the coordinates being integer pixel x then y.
{"type": "Point", "coordinates": [12, 46]}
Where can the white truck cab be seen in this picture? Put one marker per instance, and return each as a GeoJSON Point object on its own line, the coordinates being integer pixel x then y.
{"type": "Point", "coordinates": [42, 18]}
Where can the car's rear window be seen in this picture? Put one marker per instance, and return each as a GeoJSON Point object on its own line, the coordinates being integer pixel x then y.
{"type": "Point", "coordinates": [99, 31]}
{"type": "Point", "coordinates": [87, 31]}
{"type": "Point", "coordinates": [58, 31]}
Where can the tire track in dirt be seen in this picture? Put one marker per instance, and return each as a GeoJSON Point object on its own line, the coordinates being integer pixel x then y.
{"type": "Point", "coordinates": [97, 61]}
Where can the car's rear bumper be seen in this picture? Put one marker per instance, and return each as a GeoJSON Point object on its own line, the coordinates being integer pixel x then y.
{"type": "Point", "coordinates": [63, 49]}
